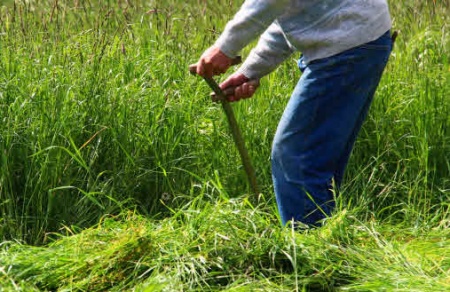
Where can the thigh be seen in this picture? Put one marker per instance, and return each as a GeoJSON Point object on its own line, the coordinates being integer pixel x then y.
{"type": "Point", "coordinates": [326, 107]}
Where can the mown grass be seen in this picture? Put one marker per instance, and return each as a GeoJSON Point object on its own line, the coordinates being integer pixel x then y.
{"type": "Point", "coordinates": [233, 246]}
{"type": "Point", "coordinates": [101, 122]}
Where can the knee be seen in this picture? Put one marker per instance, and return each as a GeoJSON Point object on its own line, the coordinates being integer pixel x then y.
{"type": "Point", "coordinates": [297, 166]}
{"type": "Point", "coordinates": [280, 153]}
{"type": "Point", "coordinates": [276, 153]}
{"type": "Point", "coordinates": [287, 162]}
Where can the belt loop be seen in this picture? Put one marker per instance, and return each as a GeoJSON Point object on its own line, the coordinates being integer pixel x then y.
{"type": "Point", "coordinates": [394, 37]}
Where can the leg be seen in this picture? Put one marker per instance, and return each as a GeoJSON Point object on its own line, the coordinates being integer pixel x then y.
{"type": "Point", "coordinates": [319, 126]}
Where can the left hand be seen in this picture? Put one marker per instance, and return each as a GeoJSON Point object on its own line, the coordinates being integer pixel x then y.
{"type": "Point", "coordinates": [213, 62]}
{"type": "Point", "coordinates": [238, 86]}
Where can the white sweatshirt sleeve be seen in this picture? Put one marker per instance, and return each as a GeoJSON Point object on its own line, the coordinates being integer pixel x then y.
{"type": "Point", "coordinates": [250, 21]}
{"type": "Point", "coordinates": [271, 50]}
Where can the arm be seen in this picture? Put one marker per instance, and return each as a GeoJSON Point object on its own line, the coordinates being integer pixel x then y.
{"type": "Point", "coordinates": [248, 23]}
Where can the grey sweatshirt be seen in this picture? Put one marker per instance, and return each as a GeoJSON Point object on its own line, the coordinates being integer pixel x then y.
{"type": "Point", "coordinates": [316, 28]}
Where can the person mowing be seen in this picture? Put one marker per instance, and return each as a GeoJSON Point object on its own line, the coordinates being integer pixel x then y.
{"type": "Point", "coordinates": [345, 46]}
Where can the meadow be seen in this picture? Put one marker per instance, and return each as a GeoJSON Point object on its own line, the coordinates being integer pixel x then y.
{"type": "Point", "coordinates": [118, 173]}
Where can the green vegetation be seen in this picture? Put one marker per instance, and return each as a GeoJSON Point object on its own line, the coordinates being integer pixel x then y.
{"type": "Point", "coordinates": [117, 173]}
{"type": "Point", "coordinates": [233, 246]}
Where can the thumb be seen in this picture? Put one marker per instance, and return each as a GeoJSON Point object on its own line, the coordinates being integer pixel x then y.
{"type": "Point", "coordinates": [233, 81]}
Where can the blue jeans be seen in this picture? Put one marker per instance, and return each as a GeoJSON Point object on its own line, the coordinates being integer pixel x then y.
{"type": "Point", "coordinates": [319, 126]}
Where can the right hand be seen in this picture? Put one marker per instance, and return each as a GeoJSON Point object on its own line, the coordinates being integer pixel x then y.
{"type": "Point", "coordinates": [213, 62]}
{"type": "Point", "coordinates": [237, 87]}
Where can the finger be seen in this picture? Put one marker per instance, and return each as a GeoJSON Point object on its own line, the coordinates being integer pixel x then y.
{"type": "Point", "coordinates": [232, 96]}
{"type": "Point", "coordinates": [233, 80]}
{"type": "Point", "coordinates": [228, 91]}
{"type": "Point", "coordinates": [200, 67]}
{"type": "Point", "coordinates": [245, 90]}
{"type": "Point", "coordinates": [242, 91]}
{"type": "Point", "coordinates": [204, 68]}
{"type": "Point", "coordinates": [208, 70]}
{"type": "Point", "coordinates": [238, 92]}
{"type": "Point", "coordinates": [252, 87]}
{"type": "Point", "coordinates": [250, 91]}
{"type": "Point", "coordinates": [229, 82]}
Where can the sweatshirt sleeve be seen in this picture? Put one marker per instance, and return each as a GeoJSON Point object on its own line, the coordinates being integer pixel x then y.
{"type": "Point", "coordinates": [250, 21]}
{"type": "Point", "coordinates": [272, 49]}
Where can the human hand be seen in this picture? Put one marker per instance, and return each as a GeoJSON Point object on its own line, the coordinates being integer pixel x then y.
{"type": "Point", "coordinates": [237, 87]}
{"type": "Point", "coordinates": [213, 62]}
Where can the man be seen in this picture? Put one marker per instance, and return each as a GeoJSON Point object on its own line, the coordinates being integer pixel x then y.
{"type": "Point", "coordinates": [345, 45]}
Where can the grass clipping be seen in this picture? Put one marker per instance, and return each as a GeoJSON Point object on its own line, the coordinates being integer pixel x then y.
{"type": "Point", "coordinates": [231, 245]}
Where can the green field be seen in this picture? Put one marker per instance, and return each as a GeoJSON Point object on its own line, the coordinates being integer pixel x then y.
{"type": "Point", "coordinates": [117, 172]}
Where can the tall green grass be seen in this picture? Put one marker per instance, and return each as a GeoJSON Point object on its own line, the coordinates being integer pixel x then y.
{"type": "Point", "coordinates": [101, 122]}
{"type": "Point", "coordinates": [401, 163]}
{"type": "Point", "coordinates": [99, 113]}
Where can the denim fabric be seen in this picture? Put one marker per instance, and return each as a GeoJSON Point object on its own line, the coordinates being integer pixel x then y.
{"type": "Point", "coordinates": [319, 126]}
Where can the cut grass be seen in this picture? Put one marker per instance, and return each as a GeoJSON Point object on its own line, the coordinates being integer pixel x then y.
{"type": "Point", "coordinates": [233, 246]}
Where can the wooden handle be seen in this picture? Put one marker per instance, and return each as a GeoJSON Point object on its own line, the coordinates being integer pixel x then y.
{"type": "Point", "coordinates": [226, 92]}
{"type": "Point", "coordinates": [235, 131]}
{"type": "Point", "coordinates": [235, 61]}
